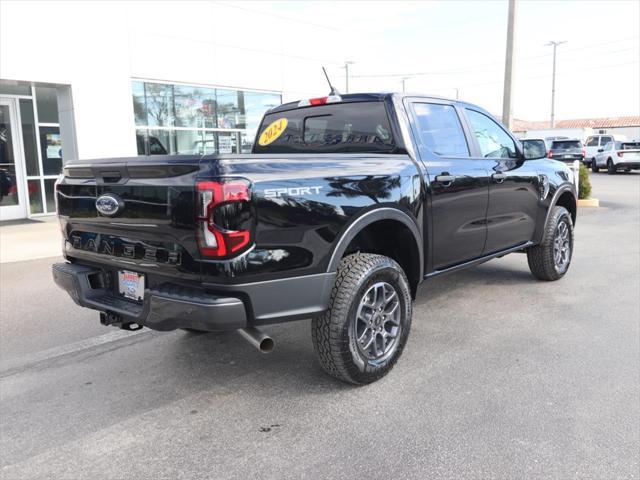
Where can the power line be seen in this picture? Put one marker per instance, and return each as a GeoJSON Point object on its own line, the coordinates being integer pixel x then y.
{"type": "Point", "coordinates": [559, 74]}
{"type": "Point", "coordinates": [483, 65]}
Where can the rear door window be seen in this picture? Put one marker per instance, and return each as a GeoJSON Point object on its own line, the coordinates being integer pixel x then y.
{"type": "Point", "coordinates": [605, 141]}
{"type": "Point", "coordinates": [592, 142]}
{"type": "Point", "coordinates": [440, 130]}
{"type": "Point", "coordinates": [333, 128]}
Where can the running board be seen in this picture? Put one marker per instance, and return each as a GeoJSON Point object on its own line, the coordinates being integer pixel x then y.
{"type": "Point", "coordinates": [479, 260]}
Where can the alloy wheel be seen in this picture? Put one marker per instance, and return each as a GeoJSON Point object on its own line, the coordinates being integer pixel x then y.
{"type": "Point", "coordinates": [562, 246]}
{"type": "Point", "coordinates": [377, 323]}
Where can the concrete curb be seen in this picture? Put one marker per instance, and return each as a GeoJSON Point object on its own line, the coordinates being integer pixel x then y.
{"type": "Point", "coordinates": [588, 202]}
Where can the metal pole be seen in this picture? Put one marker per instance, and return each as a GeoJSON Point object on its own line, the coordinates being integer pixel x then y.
{"type": "Point", "coordinates": [553, 88]}
{"type": "Point", "coordinates": [553, 82]}
{"type": "Point", "coordinates": [509, 66]}
{"type": "Point", "coordinates": [346, 69]}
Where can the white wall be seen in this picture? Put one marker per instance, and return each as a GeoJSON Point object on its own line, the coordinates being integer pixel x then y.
{"type": "Point", "coordinates": [97, 47]}
{"type": "Point", "coordinates": [580, 133]}
{"type": "Point", "coordinates": [630, 133]}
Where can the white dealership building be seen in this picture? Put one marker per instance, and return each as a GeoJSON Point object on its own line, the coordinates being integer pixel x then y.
{"type": "Point", "coordinates": [112, 79]}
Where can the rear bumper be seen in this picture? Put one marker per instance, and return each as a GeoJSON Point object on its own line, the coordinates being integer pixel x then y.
{"type": "Point", "coordinates": [170, 306]}
{"type": "Point", "coordinates": [571, 159]}
{"type": "Point", "coordinates": [634, 165]}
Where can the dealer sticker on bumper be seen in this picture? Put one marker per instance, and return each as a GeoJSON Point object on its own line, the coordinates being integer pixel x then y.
{"type": "Point", "coordinates": [131, 284]}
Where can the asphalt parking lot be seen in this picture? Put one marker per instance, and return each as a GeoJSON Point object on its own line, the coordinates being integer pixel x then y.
{"type": "Point", "coordinates": [503, 377]}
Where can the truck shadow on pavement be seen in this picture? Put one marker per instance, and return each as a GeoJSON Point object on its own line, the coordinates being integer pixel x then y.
{"type": "Point", "coordinates": [202, 360]}
{"type": "Point", "coordinates": [488, 274]}
{"type": "Point", "coordinates": [227, 360]}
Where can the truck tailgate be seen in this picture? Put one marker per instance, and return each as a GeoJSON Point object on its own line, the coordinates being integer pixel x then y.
{"type": "Point", "coordinates": [146, 221]}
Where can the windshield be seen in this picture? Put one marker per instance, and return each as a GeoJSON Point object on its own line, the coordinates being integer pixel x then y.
{"type": "Point", "coordinates": [631, 146]}
{"type": "Point", "coordinates": [566, 144]}
{"type": "Point", "coordinates": [333, 128]}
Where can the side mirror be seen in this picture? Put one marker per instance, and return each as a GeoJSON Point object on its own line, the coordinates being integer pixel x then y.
{"type": "Point", "coordinates": [534, 149]}
{"type": "Point", "coordinates": [600, 150]}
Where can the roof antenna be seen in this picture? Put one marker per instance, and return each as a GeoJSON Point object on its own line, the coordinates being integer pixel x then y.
{"type": "Point", "coordinates": [334, 90]}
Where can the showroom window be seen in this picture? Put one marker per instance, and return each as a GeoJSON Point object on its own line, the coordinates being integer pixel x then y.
{"type": "Point", "coordinates": [185, 119]}
{"type": "Point", "coordinates": [37, 115]}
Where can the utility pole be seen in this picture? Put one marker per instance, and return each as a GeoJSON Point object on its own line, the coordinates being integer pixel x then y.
{"type": "Point", "coordinates": [509, 66]}
{"type": "Point", "coordinates": [553, 81]}
{"type": "Point", "coordinates": [346, 70]}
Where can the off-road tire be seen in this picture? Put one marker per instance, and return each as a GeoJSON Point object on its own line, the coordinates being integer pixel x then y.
{"type": "Point", "coordinates": [594, 166]}
{"type": "Point", "coordinates": [337, 352]}
{"type": "Point", "coordinates": [541, 257]}
{"type": "Point", "coordinates": [611, 168]}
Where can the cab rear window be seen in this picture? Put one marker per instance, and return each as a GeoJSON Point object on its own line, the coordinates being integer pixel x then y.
{"type": "Point", "coordinates": [359, 127]}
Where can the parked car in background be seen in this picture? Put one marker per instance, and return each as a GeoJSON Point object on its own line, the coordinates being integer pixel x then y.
{"type": "Point", "coordinates": [594, 143]}
{"type": "Point", "coordinates": [549, 140]}
{"type": "Point", "coordinates": [616, 156]}
{"type": "Point", "coordinates": [566, 151]}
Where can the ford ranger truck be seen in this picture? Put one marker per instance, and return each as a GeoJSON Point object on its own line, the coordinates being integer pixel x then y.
{"type": "Point", "coordinates": [344, 207]}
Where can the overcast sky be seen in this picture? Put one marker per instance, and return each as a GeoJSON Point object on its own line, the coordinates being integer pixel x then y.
{"type": "Point", "coordinates": [461, 44]}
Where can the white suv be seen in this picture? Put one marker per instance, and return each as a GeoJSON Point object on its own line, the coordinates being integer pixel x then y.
{"type": "Point", "coordinates": [595, 143]}
{"type": "Point", "coordinates": [617, 156]}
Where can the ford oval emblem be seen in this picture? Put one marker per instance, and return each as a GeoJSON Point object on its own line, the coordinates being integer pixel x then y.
{"type": "Point", "coordinates": [109, 204]}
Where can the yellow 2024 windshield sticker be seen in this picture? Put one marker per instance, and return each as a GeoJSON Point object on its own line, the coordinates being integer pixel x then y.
{"type": "Point", "coordinates": [273, 131]}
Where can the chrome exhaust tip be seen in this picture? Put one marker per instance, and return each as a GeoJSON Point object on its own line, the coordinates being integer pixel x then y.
{"type": "Point", "coordinates": [258, 339]}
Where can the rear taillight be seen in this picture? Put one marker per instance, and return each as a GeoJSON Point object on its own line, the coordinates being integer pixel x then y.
{"type": "Point", "coordinates": [224, 217]}
{"type": "Point", "coordinates": [620, 153]}
{"type": "Point", "coordinates": [313, 102]}
{"type": "Point", "coordinates": [584, 153]}
{"type": "Point", "coordinates": [550, 155]}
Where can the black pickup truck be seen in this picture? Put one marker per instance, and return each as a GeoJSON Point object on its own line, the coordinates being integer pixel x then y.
{"type": "Point", "coordinates": [346, 204]}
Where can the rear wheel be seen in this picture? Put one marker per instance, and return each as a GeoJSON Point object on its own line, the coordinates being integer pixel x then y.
{"type": "Point", "coordinates": [362, 334]}
{"type": "Point", "coordinates": [550, 259]}
{"type": "Point", "coordinates": [594, 166]}
{"type": "Point", "coordinates": [611, 168]}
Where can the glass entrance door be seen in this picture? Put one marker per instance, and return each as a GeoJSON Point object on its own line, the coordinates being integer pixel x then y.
{"type": "Point", "coordinates": [12, 199]}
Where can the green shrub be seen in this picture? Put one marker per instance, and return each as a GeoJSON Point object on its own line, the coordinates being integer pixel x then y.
{"type": "Point", "coordinates": [584, 185]}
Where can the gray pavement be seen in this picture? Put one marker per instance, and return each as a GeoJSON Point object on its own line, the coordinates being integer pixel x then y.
{"type": "Point", "coordinates": [503, 377]}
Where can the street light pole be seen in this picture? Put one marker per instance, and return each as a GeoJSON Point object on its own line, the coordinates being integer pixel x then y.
{"type": "Point", "coordinates": [346, 70]}
{"type": "Point", "coordinates": [508, 66]}
{"type": "Point", "coordinates": [404, 79]}
{"type": "Point", "coordinates": [553, 82]}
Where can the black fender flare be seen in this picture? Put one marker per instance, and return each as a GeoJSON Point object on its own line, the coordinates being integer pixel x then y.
{"type": "Point", "coordinates": [367, 218]}
{"type": "Point", "coordinates": [567, 187]}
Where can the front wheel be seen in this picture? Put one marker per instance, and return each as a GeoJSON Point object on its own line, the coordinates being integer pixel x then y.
{"type": "Point", "coordinates": [594, 166]}
{"type": "Point", "coordinates": [362, 334]}
{"type": "Point", "coordinates": [550, 259]}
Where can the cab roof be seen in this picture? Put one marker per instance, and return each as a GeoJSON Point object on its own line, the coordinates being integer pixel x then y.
{"type": "Point", "coordinates": [367, 97]}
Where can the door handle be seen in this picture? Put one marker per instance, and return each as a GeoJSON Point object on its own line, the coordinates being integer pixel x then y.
{"type": "Point", "coordinates": [499, 177]}
{"type": "Point", "coordinates": [445, 178]}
